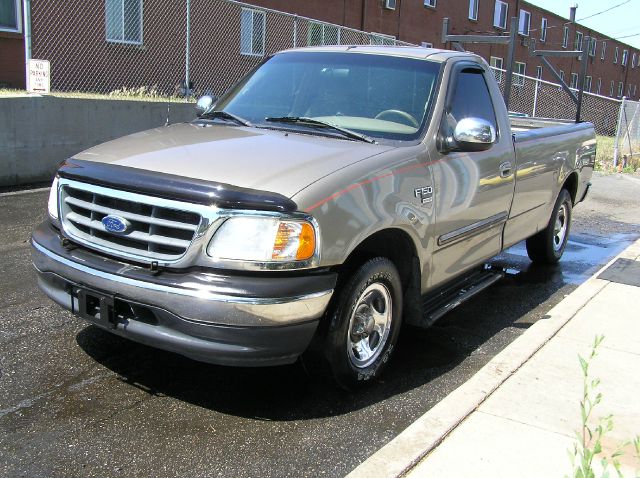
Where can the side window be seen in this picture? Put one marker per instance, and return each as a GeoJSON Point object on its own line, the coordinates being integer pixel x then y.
{"type": "Point", "coordinates": [471, 98]}
{"type": "Point", "coordinates": [252, 31]}
{"type": "Point", "coordinates": [124, 21]}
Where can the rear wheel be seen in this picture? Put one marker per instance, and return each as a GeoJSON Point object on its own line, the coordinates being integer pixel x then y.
{"type": "Point", "coordinates": [547, 246]}
{"type": "Point", "coordinates": [364, 323]}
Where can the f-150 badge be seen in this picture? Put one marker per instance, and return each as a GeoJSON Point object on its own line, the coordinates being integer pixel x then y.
{"type": "Point", "coordinates": [425, 194]}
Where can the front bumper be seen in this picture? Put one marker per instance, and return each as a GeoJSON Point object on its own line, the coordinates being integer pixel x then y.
{"type": "Point", "coordinates": [217, 318]}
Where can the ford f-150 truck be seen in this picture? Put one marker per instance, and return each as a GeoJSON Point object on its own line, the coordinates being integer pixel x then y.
{"type": "Point", "coordinates": [331, 195]}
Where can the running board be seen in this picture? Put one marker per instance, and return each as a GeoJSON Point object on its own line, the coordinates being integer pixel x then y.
{"type": "Point", "coordinates": [437, 304]}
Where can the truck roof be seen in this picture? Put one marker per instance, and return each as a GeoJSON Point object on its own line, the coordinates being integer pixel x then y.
{"type": "Point", "coordinates": [434, 54]}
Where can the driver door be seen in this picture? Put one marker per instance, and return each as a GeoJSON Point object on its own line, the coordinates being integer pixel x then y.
{"type": "Point", "coordinates": [473, 189]}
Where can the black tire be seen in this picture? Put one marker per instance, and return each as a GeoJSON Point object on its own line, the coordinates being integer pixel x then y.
{"type": "Point", "coordinates": [548, 245]}
{"type": "Point", "coordinates": [370, 288]}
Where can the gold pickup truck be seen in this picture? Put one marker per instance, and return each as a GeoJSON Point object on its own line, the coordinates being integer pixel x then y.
{"type": "Point", "coordinates": [330, 196]}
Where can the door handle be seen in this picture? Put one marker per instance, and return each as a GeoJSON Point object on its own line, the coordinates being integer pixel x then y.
{"type": "Point", "coordinates": [505, 169]}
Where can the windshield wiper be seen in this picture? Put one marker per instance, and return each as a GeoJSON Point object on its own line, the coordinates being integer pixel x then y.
{"type": "Point", "coordinates": [322, 124]}
{"type": "Point", "coordinates": [226, 115]}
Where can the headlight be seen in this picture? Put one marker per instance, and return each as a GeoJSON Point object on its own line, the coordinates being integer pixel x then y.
{"type": "Point", "coordinates": [263, 239]}
{"type": "Point", "coordinates": [53, 199]}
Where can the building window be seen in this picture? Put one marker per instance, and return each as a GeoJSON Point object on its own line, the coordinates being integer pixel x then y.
{"type": "Point", "coordinates": [539, 72]}
{"type": "Point", "coordinates": [599, 87]}
{"type": "Point", "coordinates": [625, 57]}
{"type": "Point", "coordinates": [524, 23]}
{"type": "Point", "coordinates": [587, 84]}
{"type": "Point", "coordinates": [390, 4]}
{"type": "Point", "coordinates": [426, 44]}
{"type": "Point", "coordinates": [543, 30]}
{"type": "Point", "coordinates": [496, 65]}
{"type": "Point", "coordinates": [565, 37]}
{"type": "Point", "coordinates": [323, 34]}
{"type": "Point", "coordinates": [473, 9]}
{"type": "Point", "coordinates": [124, 21]}
{"type": "Point", "coordinates": [620, 89]}
{"type": "Point", "coordinates": [633, 61]}
{"type": "Point", "coordinates": [500, 15]}
{"type": "Point", "coordinates": [604, 49]}
{"type": "Point", "coordinates": [519, 73]}
{"type": "Point", "coordinates": [430, 3]}
{"type": "Point", "coordinates": [577, 45]}
{"type": "Point", "coordinates": [611, 88]}
{"type": "Point", "coordinates": [615, 56]}
{"type": "Point", "coordinates": [628, 91]}
{"type": "Point", "coordinates": [561, 79]}
{"type": "Point", "coordinates": [574, 81]}
{"type": "Point", "coordinates": [10, 16]}
{"type": "Point", "coordinates": [252, 30]}
{"type": "Point", "coordinates": [592, 47]}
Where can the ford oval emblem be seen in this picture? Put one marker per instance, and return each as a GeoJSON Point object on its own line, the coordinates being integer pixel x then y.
{"type": "Point", "coordinates": [115, 224]}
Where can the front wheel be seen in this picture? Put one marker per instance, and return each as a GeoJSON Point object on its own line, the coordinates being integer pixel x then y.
{"type": "Point", "coordinates": [364, 323]}
{"type": "Point", "coordinates": [548, 245]}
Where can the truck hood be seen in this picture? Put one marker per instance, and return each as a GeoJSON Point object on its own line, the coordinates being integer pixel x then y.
{"type": "Point", "coordinates": [267, 160]}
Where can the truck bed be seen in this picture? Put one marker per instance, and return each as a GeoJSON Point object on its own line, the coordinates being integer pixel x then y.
{"type": "Point", "coordinates": [526, 123]}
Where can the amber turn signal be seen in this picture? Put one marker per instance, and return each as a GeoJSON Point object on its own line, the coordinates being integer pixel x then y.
{"type": "Point", "coordinates": [306, 242]}
{"type": "Point", "coordinates": [294, 239]}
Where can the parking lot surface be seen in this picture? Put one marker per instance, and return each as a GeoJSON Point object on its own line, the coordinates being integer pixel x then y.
{"type": "Point", "coordinates": [78, 401]}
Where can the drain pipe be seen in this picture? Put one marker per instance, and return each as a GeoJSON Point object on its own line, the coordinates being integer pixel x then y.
{"type": "Point", "coordinates": [187, 79]}
{"type": "Point", "coordinates": [26, 23]}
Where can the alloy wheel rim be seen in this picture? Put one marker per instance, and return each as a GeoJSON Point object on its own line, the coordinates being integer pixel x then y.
{"type": "Point", "coordinates": [369, 325]}
{"type": "Point", "coordinates": [560, 228]}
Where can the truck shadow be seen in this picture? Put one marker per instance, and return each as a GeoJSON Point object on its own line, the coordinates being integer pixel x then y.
{"type": "Point", "coordinates": [428, 363]}
{"type": "Point", "coordinates": [465, 340]}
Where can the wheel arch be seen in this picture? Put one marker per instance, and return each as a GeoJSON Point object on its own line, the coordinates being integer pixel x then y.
{"type": "Point", "coordinates": [392, 243]}
{"type": "Point", "coordinates": [571, 185]}
{"type": "Point", "coordinates": [399, 247]}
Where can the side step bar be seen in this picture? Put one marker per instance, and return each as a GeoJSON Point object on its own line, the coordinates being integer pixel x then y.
{"type": "Point", "coordinates": [452, 295]}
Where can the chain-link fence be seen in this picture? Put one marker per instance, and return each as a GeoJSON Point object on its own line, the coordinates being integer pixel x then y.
{"type": "Point", "coordinates": [157, 47]}
{"type": "Point", "coordinates": [627, 142]}
{"type": "Point", "coordinates": [535, 97]}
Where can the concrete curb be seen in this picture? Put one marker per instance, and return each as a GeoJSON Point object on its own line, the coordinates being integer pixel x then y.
{"type": "Point", "coordinates": [428, 431]}
{"type": "Point", "coordinates": [24, 191]}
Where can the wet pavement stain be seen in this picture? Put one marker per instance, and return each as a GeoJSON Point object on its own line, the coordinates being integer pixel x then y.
{"type": "Point", "coordinates": [584, 255]}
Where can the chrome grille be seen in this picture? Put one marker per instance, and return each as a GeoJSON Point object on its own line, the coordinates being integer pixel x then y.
{"type": "Point", "coordinates": [156, 232]}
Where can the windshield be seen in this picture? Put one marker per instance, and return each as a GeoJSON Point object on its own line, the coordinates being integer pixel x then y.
{"type": "Point", "coordinates": [378, 96]}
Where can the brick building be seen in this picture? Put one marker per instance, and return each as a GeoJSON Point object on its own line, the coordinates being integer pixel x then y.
{"type": "Point", "coordinates": [613, 70]}
{"type": "Point", "coordinates": [100, 45]}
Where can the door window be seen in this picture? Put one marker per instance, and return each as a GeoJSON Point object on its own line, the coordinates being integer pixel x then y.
{"type": "Point", "coordinates": [471, 98]}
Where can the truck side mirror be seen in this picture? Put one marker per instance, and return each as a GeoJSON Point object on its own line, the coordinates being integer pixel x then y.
{"type": "Point", "coordinates": [474, 134]}
{"type": "Point", "coordinates": [204, 103]}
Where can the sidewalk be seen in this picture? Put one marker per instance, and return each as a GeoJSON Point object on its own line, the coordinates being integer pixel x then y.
{"type": "Point", "coordinates": [518, 416]}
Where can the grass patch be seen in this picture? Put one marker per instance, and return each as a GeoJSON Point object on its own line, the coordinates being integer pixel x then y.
{"type": "Point", "coordinates": [604, 157]}
{"type": "Point", "coordinates": [132, 94]}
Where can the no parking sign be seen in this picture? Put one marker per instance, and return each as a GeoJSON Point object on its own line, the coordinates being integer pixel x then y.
{"type": "Point", "coordinates": [39, 77]}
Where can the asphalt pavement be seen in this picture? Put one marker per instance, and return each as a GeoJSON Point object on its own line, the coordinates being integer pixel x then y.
{"type": "Point", "coordinates": [78, 401]}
